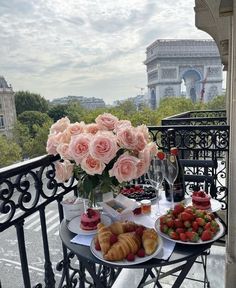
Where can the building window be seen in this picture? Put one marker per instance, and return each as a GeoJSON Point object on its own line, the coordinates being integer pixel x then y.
{"type": "Point", "coordinates": [2, 122]}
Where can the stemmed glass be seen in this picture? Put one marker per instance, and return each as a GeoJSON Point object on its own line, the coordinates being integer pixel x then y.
{"type": "Point", "coordinates": [155, 177]}
{"type": "Point", "coordinates": [170, 171]}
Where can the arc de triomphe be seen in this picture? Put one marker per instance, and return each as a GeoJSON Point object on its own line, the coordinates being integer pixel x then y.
{"type": "Point", "coordinates": [183, 67]}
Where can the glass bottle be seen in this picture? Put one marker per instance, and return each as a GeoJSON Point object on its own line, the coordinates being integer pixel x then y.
{"type": "Point", "coordinates": [179, 184]}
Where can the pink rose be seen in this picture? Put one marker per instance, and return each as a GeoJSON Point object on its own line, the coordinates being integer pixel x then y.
{"type": "Point", "coordinates": [121, 124]}
{"type": "Point", "coordinates": [64, 137]}
{"type": "Point", "coordinates": [142, 168]}
{"type": "Point", "coordinates": [127, 138]}
{"type": "Point", "coordinates": [76, 128]}
{"type": "Point", "coordinates": [144, 130]}
{"type": "Point", "coordinates": [60, 125]}
{"type": "Point", "coordinates": [106, 121]}
{"type": "Point", "coordinates": [103, 146]}
{"type": "Point", "coordinates": [145, 156]}
{"type": "Point", "coordinates": [125, 168]}
{"type": "Point", "coordinates": [51, 147]}
{"type": "Point", "coordinates": [92, 128]}
{"type": "Point", "coordinates": [53, 141]}
{"type": "Point", "coordinates": [140, 141]}
{"type": "Point", "coordinates": [92, 166]}
{"type": "Point", "coordinates": [64, 170]}
{"type": "Point", "coordinates": [63, 150]}
{"type": "Point", "coordinates": [79, 146]}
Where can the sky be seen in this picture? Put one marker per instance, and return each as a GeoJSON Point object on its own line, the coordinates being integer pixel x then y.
{"type": "Point", "coordinates": [87, 48]}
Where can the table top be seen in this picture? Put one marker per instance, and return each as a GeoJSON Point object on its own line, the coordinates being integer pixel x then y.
{"type": "Point", "coordinates": [181, 252]}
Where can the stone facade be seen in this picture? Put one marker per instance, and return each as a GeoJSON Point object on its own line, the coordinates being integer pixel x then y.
{"type": "Point", "coordinates": [7, 108]}
{"type": "Point", "coordinates": [85, 102]}
{"type": "Point", "coordinates": [194, 65]}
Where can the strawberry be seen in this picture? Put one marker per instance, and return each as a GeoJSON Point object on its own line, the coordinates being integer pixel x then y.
{"type": "Point", "coordinates": [206, 235]}
{"type": "Point", "coordinates": [186, 216]}
{"type": "Point", "coordinates": [173, 235]}
{"type": "Point", "coordinates": [163, 219]}
{"type": "Point", "coordinates": [141, 252]}
{"type": "Point", "coordinates": [193, 236]}
{"type": "Point", "coordinates": [97, 246]}
{"type": "Point", "coordinates": [195, 226]}
{"type": "Point", "coordinates": [178, 209]}
{"type": "Point", "coordinates": [183, 237]}
{"type": "Point", "coordinates": [200, 221]}
{"type": "Point", "coordinates": [178, 223]}
{"type": "Point", "coordinates": [180, 230]}
{"type": "Point", "coordinates": [164, 228]}
{"type": "Point", "coordinates": [160, 155]}
{"type": "Point", "coordinates": [139, 231]}
{"type": "Point", "coordinates": [187, 224]}
{"type": "Point", "coordinates": [90, 212]}
{"type": "Point", "coordinates": [113, 239]}
{"type": "Point", "coordinates": [170, 223]}
{"type": "Point", "coordinates": [207, 218]}
{"type": "Point", "coordinates": [130, 257]}
{"type": "Point", "coordinates": [174, 151]}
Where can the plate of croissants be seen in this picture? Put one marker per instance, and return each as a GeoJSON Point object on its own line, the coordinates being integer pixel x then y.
{"type": "Point", "coordinates": [125, 243]}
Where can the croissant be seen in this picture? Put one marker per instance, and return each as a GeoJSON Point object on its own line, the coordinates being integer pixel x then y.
{"type": "Point", "coordinates": [117, 228]}
{"type": "Point", "coordinates": [127, 243]}
{"type": "Point", "coordinates": [104, 235]}
{"type": "Point", "coordinates": [129, 226]}
{"type": "Point", "coordinates": [149, 240]}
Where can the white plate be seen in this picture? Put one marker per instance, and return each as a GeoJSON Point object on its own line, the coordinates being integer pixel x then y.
{"type": "Point", "coordinates": [217, 236]}
{"type": "Point", "coordinates": [137, 260]}
{"type": "Point", "coordinates": [74, 225]}
{"type": "Point", "coordinates": [215, 204]}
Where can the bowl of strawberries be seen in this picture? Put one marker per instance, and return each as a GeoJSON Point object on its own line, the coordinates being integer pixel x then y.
{"type": "Point", "coordinates": [189, 225]}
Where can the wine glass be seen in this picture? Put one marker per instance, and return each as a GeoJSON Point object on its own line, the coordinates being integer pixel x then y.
{"type": "Point", "coordinates": [155, 177]}
{"type": "Point", "coordinates": [170, 171]}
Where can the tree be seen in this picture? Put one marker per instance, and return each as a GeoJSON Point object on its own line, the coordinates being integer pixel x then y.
{"type": "Point", "coordinates": [26, 101]}
{"type": "Point", "coordinates": [57, 112]}
{"type": "Point", "coordinates": [10, 152]}
{"type": "Point", "coordinates": [218, 102]}
{"type": "Point", "coordinates": [32, 118]}
{"type": "Point", "coordinates": [174, 105]}
{"type": "Point", "coordinates": [36, 146]}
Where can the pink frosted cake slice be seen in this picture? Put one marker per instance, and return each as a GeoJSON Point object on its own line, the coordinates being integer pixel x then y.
{"type": "Point", "coordinates": [201, 200]}
{"type": "Point", "coordinates": [90, 219]}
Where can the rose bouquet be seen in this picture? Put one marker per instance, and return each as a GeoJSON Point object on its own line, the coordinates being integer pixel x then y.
{"type": "Point", "coordinates": [104, 154]}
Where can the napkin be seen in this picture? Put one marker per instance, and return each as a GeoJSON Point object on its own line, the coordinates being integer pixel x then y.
{"type": "Point", "coordinates": [82, 239]}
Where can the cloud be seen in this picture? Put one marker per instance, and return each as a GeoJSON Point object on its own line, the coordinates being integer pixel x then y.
{"type": "Point", "coordinates": [86, 47]}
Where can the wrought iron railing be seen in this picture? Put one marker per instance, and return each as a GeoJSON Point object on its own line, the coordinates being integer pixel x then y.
{"type": "Point", "coordinates": [198, 117]}
{"type": "Point", "coordinates": [29, 187]}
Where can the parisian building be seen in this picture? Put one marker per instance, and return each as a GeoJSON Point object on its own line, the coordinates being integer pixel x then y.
{"type": "Point", "coordinates": [7, 108]}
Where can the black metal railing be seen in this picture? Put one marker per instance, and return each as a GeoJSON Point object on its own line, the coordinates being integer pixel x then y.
{"type": "Point", "coordinates": [29, 187]}
{"type": "Point", "coordinates": [198, 117]}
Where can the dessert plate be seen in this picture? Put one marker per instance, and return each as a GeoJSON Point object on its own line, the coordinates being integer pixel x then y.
{"type": "Point", "coordinates": [219, 234]}
{"type": "Point", "coordinates": [147, 193]}
{"type": "Point", "coordinates": [137, 260]}
{"type": "Point", "coordinates": [215, 204]}
{"type": "Point", "coordinates": [74, 225]}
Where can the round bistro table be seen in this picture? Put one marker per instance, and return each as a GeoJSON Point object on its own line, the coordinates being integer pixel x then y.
{"type": "Point", "coordinates": [104, 274]}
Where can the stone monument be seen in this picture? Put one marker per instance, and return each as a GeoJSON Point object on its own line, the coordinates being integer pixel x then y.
{"type": "Point", "coordinates": [183, 67]}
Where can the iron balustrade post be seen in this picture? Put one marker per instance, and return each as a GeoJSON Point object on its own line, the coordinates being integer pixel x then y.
{"type": "Point", "coordinates": [66, 262]}
{"type": "Point", "coordinates": [49, 275]}
{"type": "Point", "coordinates": [23, 255]}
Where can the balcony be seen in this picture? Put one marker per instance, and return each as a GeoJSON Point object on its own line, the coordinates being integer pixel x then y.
{"type": "Point", "coordinates": [29, 193]}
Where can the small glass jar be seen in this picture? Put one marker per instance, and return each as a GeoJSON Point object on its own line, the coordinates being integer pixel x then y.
{"type": "Point", "coordinates": [137, 210]}
{"type": "Point", "coordinates": [146, 206]}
